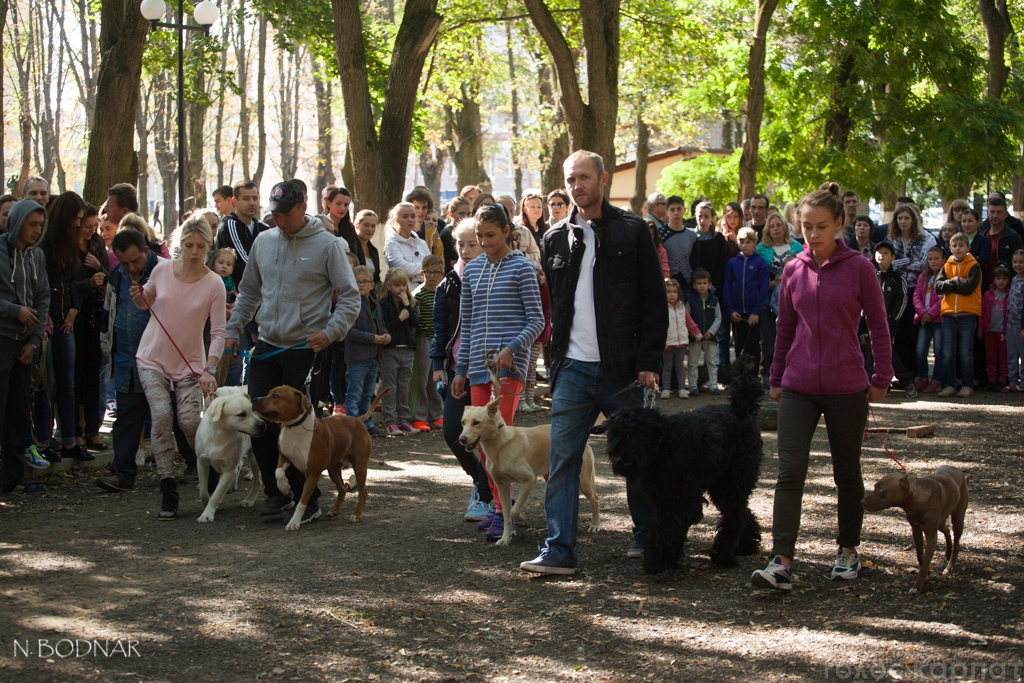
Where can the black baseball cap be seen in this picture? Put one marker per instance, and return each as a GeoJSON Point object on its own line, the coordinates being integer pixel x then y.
{"type": "Point", "coordinates": [285, 196]}
{"type": "Point", "coordinates": [886, 244]}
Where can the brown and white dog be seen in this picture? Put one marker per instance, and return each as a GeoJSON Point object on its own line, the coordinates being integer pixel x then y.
{"type": "Point", "coordinates": [313, 445]}
{"type": "Point", "coordinates": [929, 500]}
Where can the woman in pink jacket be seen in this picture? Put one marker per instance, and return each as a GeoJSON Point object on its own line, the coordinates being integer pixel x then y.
{"type": "Point", "coordinates": [928, 318]}
{"type": "Point", "coordinates": [818, 369]}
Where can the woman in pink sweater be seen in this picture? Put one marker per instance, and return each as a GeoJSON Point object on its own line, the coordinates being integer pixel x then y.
{"type": "Point", "coordinates": [818, 369]}
{"type": "Point", "coordinates": [183, 294]}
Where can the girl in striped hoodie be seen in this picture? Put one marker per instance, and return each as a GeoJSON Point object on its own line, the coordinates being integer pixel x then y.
{"type": "Point", "coordinates": [501, 309]}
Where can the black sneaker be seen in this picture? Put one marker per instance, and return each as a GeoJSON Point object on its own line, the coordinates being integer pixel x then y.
{"type": "Point", "coordinates": [275, 505]}
{"type": "Point", "coordinates": [78, 453]}
{"type": "Point", "coordinates": [25, 486]}
{"type": "Point", "coordinates": [169, 506]}
{"type": "Point", "coordinates": [51, 455]}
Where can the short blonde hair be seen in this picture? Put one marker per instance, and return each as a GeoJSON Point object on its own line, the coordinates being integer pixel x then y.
{"type": "Point", "coordinates": [747, 234]}
{"type": "Point", "coordinates": [466, 225]}
{"type": "Point", "coordinates": [134, 221]}
{"type": "Point", "coordinates": [766, 238]}
{"type": "Point", "coordinates": [196, 226]}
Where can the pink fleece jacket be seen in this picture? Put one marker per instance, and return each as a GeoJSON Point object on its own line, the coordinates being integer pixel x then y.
{"type": "Point", "coordinates": [934, 303]}
{"type": "Point", "coordinates": [816, 346]}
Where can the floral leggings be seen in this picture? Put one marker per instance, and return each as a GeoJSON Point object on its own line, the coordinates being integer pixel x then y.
{"type": "Point", "coordinates": [189, 399]}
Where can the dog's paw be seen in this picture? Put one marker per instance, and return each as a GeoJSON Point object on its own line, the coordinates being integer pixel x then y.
{"type": "Point", "coordinates": [593, 528]}
{"type": "Point", "coordinates": [504, 541]}
{"type": "Point", "coordinates": [205, 517]}
{"type": "Point", "coordinates": [246, 503]}
{"type": "Point", "coordinates": [355, 518]}
{"type": "Point", "coordinates": [293, 525]}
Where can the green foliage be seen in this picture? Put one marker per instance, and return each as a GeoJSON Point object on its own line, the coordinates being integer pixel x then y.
{"type": "Point", "coordinates": [709, 176]}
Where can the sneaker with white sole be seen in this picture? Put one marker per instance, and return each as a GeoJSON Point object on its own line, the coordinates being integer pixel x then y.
{"type": "Point", "coordinates": [775, 576]}
{"type": "Point", "coordinates": [33, 459]}
{"type": "Point", "coordinates": [636, 551]}
{"type": "Point", "coordinates": [683, 393]}
{"type": "Point", "coordinates": [665, 394]}
{"type": "Point", "coordinates": [847, 564]}
{"type": "Point", "coordinates": [140, 457]}
{"type": "Point", "coordinates": [477, 511]}
{"type": "Point", "coordinates": [545, 563]}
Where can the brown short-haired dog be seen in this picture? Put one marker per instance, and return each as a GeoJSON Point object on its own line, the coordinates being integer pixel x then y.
{"type": "Point", "coordinates": [313, 445]}
{"type": "Point", "coordinates": [929, 500]}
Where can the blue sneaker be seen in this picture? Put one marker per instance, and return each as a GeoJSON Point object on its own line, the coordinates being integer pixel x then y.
{"type": "Point", "coordinates": [775, 576]}
{"type": "Point", "coordinates": [32, 458]}
{"type": "Point", "coordinates": [497, 528]}
{"type": "Point", "coordinates": [847, 564]}
{"type": "Point", "coordinates": [545, 563]}
{"type": "Point", "coordinates": [485, 523]}
{"type": "Point", "coordinates": [477, 509]}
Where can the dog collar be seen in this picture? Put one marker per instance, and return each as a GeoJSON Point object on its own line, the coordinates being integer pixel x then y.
{"type": "Point", "coordinates": [301, 419]}
{"type": "Point", "coordinates": [910, 497]}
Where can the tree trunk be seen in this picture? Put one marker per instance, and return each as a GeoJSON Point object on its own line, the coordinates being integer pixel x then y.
{"type": "Point", "coordinates": [347, 174]}
{"type": "Point", "coordinates": [996, 19]}
{"type": "Point", "coordinates": [222, 91]}
{"type": "Point", "coordinates": [643, 149]}
{"type": "Point", "coordinates": [380, 160]}
{"type": "Point", "coordinates": [196, 148]}
{"type": "Point", "coordinates": [755, 98]}
{"type": "Point", "coordinates": [432, 166]}
{"type": "Point", "coordinates": [164, 117]}
{"type": "Point", "coordinates": [3, 118]}
{"type": "Point", "coordinates": [261, 98]}
{"type": "Point", "coordinates": [556, 149]}
{"type": "Point", "coordinates": [243, 85]}
{"type": "Point", "coordinates": [839, 123]}
{"type": "Point", "coordinates": [465, 135]}
{"type": "Point", "coordinates": [591, 124]}
{"type": "Point", "coordinates": [516, 165]}
{"type": "Point", "coordinates": [325, 147]}
{"type": "Point", "coordinates": [122, 41]}
{"type": "Point", "coordinates": [142, 129]}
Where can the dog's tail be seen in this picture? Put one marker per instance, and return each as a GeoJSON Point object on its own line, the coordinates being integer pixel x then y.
{"type": "Point", "coordinates": [745, 393]}
{"type": "Point", "coordinates": [373, 406]}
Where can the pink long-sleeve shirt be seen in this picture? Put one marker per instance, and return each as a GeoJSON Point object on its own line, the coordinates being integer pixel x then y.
{"type": "Point", "coordinates": [184, 310]}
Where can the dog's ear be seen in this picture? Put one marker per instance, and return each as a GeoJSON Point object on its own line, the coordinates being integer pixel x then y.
{"type": "Point", "coordinates": [905, 482]}
{"type": "Point", "coordinates": [216, 410]}
{"type": "Point", "coordinates": [492, 407]}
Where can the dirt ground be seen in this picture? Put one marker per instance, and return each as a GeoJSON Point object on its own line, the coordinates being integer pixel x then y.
{"type": "Point", "coordinates": [413, 593]}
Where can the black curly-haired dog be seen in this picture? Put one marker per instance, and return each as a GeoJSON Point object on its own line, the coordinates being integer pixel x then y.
{"type": "Point", "coordinates": [678, 458]}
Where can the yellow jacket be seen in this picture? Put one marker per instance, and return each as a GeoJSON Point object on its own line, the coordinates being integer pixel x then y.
{"type": "Point", "coordinates": [963, 295]}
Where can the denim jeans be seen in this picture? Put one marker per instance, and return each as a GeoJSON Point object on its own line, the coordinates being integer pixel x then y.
{"type": "Point", "coordinates": [578, 383]}
{"type": "Point", "coordinates": [958, 342]}
{"type": "Point", "coordinates": [132, 414]}
{"type": "Point", "coordinates": [925, 336]}
{"type": "Point", "coordinates": [61, 378]}
{"type": "Point", "coordinates": [235, 376]}
{"type": "Point", "coordinates": [360, 383]}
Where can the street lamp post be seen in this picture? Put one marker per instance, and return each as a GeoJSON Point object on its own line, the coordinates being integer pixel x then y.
{"type": "Point", "coordinates": [205, 13]}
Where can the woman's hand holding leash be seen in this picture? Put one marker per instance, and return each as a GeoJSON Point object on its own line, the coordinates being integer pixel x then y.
{"type": "Point", "coordinates": [504, 360]}
{"type": "Point", "coordinates": [876, 394]}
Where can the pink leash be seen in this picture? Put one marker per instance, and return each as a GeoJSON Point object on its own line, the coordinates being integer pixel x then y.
{"type": "Point", "coordinates": [878, 432]}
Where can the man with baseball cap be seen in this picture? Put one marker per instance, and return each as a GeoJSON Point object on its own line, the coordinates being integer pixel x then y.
{"type": "Point", "coordinates": [294, 269]}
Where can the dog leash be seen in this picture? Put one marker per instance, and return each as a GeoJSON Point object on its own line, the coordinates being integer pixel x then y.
{"type": "Point", "coordinates": [269, 354]}
{"type": "Point", "coordinates": [878, 432]}
{"type": "Point", "coordinates": [491, 363]}
{"type": "Point", "coordinates": [142, 293]}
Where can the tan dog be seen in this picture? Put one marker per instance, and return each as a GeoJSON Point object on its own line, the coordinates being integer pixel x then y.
{"type": "Point", "coordinates": [929, 500]}
{"type": "Point", "coordinates": [518, 455]}
{"type": "Point", "coordinates": [313, 445]}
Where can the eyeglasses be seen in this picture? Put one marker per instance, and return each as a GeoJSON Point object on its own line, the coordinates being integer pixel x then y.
{"type": "Point", "coordinates": [433, 273]}
{"type": "Point", "coordinates": [556, 205]}
{"type": "Point", "coordinates": [364, 282]}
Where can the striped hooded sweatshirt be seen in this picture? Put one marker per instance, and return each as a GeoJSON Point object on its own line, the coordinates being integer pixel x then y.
{"type": "Point", "coordinates": [501, 308]}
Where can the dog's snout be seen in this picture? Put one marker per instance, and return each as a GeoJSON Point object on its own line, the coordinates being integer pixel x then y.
{"type": "Point", "coordinates": [463, 440]}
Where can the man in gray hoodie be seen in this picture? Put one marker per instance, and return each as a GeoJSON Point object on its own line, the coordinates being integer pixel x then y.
{"type": "Point", "coordinates": [293, 272]}
{"type": "Point", "coordinates": [24, 302]}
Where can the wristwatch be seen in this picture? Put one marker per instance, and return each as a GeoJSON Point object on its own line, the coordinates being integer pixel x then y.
{"type": "Point", "coordinates": [209, 370]}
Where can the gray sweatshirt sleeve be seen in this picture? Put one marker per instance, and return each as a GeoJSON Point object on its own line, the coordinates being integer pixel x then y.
{"type": "Point", "coordinates": [250, 293]}
{"type": "Point", "coordinates": [346, 309]}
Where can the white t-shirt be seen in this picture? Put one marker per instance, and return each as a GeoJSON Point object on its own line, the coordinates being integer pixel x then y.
{"type": "Point", "coordinates": [583, 335]}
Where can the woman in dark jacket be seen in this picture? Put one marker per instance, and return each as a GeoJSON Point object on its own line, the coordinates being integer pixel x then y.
{"type": "Point", "coordinates": [363, 248]}
{"type": "Point", "coordinates": [60, 246]}
{"type": "Point", "coordinates": [90, 280]}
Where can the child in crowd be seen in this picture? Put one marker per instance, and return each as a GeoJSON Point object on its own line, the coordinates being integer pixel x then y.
{"type": "Point", "coordinates": [429, 408]}
{"type": "Point", "coordinates": [680, 328]}
{"type": "Point", "coordinates": [959, 284]}
{"type": "Point", "coordinates": [894, 292]}
{"type": "Point", "coordinates": [703, 308]}
{"type": "Point", "coordinates": [363, 350]}
{"type": "Point", "coordinates": [444, 351]}
{"type": "Point", "coordinates": [501, 309]}
{"type": "Point", "coordinates": [928, 316]}
{"type": "Point", "coordinates": [945, 235]}
{"type": "Point", "coordinates": [222, 262]}
{"type": "Point", "coordinates": [1014, 334]}
{"type": "Point", "coordinates": [402, 322]}
{"type": "Point", "coordinates": [745, 291]}
{"type": "Point", "coordinates": [992, 329]}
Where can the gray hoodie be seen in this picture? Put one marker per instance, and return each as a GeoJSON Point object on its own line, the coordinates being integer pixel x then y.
{"type": "Point", "coordinates": [290, 279]}
{"type": "Point", "coordinates": [23, 280]}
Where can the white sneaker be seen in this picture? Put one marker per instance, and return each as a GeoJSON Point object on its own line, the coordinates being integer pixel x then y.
{"type": "Point", "coordinates": [666, 394]}
{"type": "Point", "coordinates": [524, 407]}
{"type": "Point", "coordinates": [683, 393]}
{"type": "Point", "coordinates": [774, 576]}
{"type": "Point", "coordinates": [847, 564]}
{"type": "Point", "coordinates": [140, 457]}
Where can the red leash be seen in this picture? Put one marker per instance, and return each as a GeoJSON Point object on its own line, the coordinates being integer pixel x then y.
{"type": "Point", "coordinates": [878, 432]}
{"type": "Point", "coordinates": [142, 292]}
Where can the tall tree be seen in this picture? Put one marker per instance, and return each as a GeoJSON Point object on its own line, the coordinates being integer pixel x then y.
{"type": "Point", "coordinates": [464, 131]}
{"type": "Point", "coordinates": [3, 122]}
{"type": "Point", "coordinates": [261, 117]}
{"type": "Point", "coordinates": [643, 149]}
{"type": "Point", "coordinates": [380, 154]}
{"type": "Point", "coordinates": [591, 123]}
{"type": "Point", "coordinates": [122, 42]}
{"type": "Point", "coordinates": [324, 124]}
{"type": "Point", "coordinates": [432, 166]}
{"type": "Point", "coordinates": [755, 97]}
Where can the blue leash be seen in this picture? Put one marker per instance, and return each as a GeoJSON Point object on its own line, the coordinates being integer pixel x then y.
{"type": "Point", "coordinates": [269, 354]}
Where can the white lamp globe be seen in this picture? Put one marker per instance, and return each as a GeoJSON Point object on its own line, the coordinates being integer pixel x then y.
{"type": "Point", "coordinates": [206, 13]}
{"type": "Point", "coordinates": [153, 10]}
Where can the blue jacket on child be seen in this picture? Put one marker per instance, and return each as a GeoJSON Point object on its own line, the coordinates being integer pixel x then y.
{"type": "Point", "coordinates": [746, 284]}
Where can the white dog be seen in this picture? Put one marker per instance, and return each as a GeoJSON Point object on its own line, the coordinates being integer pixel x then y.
{"type": "Point", "coordinates": [518, 455]}
{"type": "Point", "coordinates": [223, 442]}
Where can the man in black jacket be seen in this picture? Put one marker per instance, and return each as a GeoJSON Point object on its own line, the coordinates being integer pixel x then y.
{"type": "Point", "coordinates": [609, 319]}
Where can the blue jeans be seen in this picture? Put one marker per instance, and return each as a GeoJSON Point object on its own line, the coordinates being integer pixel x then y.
{"type": "Point", "coordinates": [362, 379]}
{"type": "Point", "coordinates": [578, 383]}
{"type": "Point", "coordinates": [925, 335]}
{"type": "Point", "coordinates": [61, 378]}
{"type": "Point", "coordinates": [958, 341]}
{"type": "Point", "coordinates": [132, 414]}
